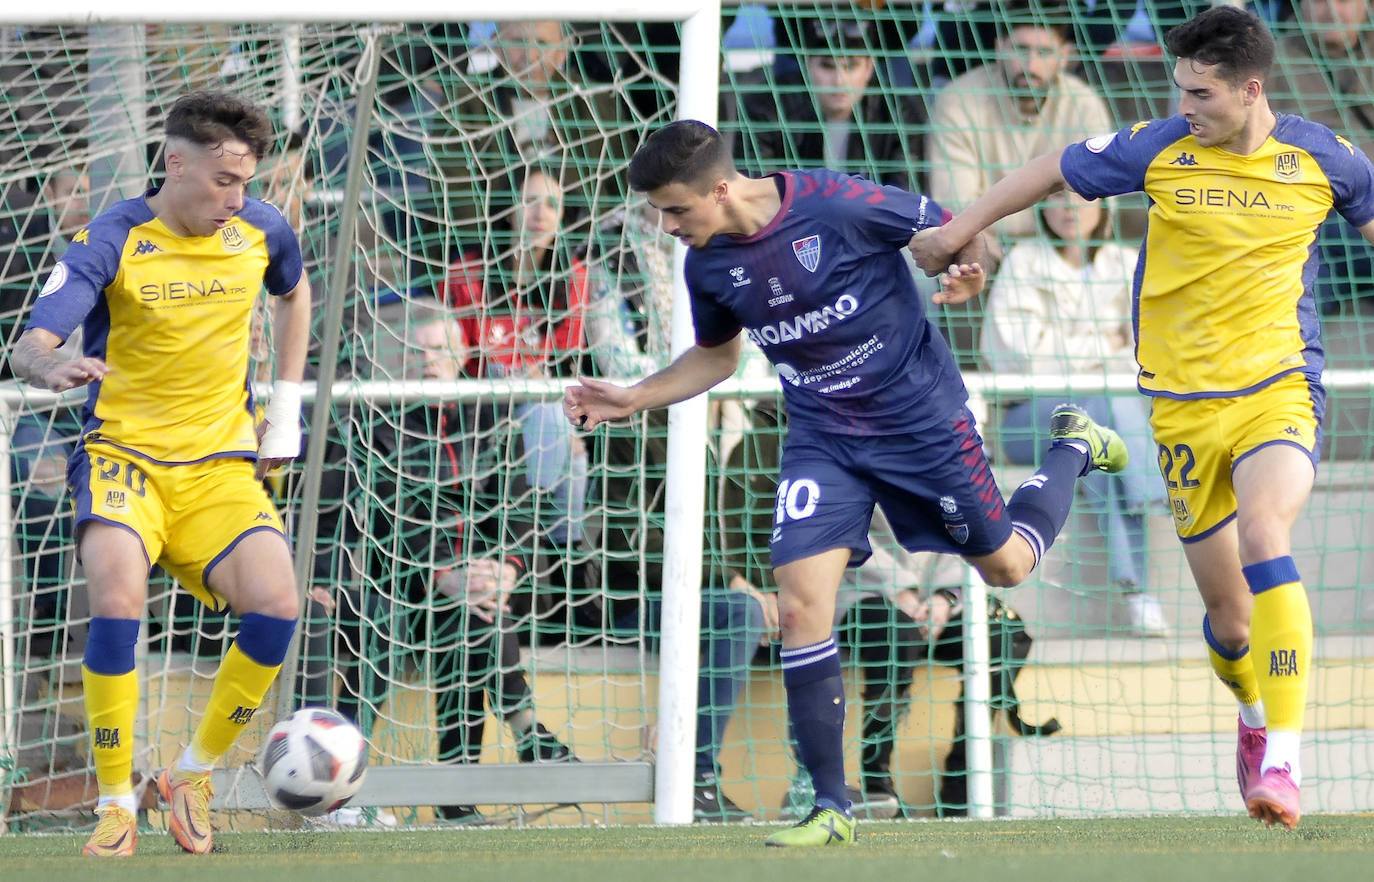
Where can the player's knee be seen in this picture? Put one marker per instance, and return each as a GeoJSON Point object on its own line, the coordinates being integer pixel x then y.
{"type": "Point", "coordinates": [279, 601]}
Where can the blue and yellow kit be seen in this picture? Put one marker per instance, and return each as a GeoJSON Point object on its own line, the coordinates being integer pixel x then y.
{"type": "Point", "coordinates": [171, 317]}
{"type": "Point", "coordinates": [169, 432]}
{"type": "Point", "coordinates": [1223, 287]}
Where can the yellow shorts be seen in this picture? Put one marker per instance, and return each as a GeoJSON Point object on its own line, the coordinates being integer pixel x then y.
{"type": "Point", "coordinates": [187, 516]}
{"type": "Point", "coordinates": [1200, 440]}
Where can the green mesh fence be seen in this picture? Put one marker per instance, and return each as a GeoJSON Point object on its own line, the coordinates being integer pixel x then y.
{"type": "Point", "coordinates": [496, 239]}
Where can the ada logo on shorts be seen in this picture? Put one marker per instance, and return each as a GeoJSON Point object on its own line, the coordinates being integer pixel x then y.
{"type": "Point", "coordinates": [1183, 516]}
{"type": "Point", "coordinates": [116, 502]}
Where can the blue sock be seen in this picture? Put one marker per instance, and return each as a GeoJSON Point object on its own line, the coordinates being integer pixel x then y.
{"type": "Point", "coordinates": [111, 645]}
{"type": "Point", "coordinates": [265, 639]}
{"type": "Point", "coordinates": [1040, 506]}
{"type": "Point", "coordinates": [815, 704]}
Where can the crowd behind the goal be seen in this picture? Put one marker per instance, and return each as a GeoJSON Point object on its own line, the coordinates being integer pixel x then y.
{"type": "Point", "coordinates": [502, 240]}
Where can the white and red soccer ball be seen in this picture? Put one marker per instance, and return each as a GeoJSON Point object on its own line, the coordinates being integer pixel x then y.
{"type": "Point", "coordinates": [313, 761]}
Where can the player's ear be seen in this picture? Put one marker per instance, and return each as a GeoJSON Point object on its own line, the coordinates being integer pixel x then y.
{"type": "Point", "coordinates": [720, 190]}
{"type": "Point", "coordinates": [175, 163]}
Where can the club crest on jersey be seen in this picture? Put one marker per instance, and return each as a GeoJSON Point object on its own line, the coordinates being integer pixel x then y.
{"type": "Point", "coordinates": [233, 239]}
{"type": "Point", "coordinates": [808, 252]}
{"type": "Point", "coordinates": [1286, 166]}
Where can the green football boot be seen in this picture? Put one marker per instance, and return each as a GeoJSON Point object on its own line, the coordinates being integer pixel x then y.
{"type": "Point", "coordinates": [1070, 424]}
{"type": "Point", "coordinates": [822, 827]}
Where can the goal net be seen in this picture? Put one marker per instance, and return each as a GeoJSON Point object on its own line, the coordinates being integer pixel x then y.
{"type": "Point", "coordinates": [459, 190]}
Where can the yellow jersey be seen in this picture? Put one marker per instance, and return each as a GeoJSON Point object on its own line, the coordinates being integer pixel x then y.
{"type": "Point", "coordinates": [1223, 301]}
{"type": "Point", "coordinates": [171, 316]}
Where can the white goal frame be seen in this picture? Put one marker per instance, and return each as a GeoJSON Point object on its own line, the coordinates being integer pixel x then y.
{"type": "Point", "coordinates": [668, 782]}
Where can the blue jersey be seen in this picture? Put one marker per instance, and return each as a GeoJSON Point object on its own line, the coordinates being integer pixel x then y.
{"type": "Point", "coordinates": [825, 292]}
{"type": "Point", "coordinates": [171, 315]}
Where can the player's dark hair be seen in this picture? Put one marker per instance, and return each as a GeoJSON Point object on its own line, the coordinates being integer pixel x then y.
{"type": "Point", "coordinates": [210, 118]}
{"type": "Point", "coordinates": [1234, 40]}
{"type": "Point", "coordinates": [683, 152]}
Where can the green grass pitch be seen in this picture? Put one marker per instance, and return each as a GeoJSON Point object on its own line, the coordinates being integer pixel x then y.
{"type": "Point", "coordinates": [1170, 849]}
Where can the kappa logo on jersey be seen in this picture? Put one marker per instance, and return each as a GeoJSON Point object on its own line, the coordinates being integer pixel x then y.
{"type": "Point", "coordinates": [144, 246]}
{"type": "Point", "coordinates": [740, 279]}
{"type": "Point", "coordinates": [56, 279]}
{"type": "Point", "coordinates": [808, 252]}
{"type": "Point", "coordinates": [82, 237]}
{"type": "Point", "coordinates": [232, 238]}
{"type": "Point", "coordinates": [1286, 166]}
{"type": "Point", "coordinates": [1184, 158]}
{"type": "Point", "coordinates": [1139, 127]}
{"type": "Point", "coordinates": [262, 516]}
{"type": "Point", "coordinates": [1345, 142]}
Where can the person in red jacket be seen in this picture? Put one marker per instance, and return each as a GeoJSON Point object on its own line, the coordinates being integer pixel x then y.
{"type": "Point", "coordinates": [522, 306]}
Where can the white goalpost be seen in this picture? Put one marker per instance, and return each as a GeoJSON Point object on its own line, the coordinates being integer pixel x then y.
{"type": "Point", "coordinates": [403, 148]}
{"type": "Point", "coordinates": [116, 37]}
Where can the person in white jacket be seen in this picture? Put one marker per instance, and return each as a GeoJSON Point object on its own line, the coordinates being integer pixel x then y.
{"type": "Point", "coordinates": [1061, 306]}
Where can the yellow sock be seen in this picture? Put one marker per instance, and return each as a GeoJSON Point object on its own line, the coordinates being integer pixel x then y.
{"type": "Point", "coordinates": [1281, 641]}
{"type": "Point", "coordinates": [238, 691]}
{"type": "Point", "coordinates": [111, 705]}
{"type": "Point", "coordinates": [1235, 668]}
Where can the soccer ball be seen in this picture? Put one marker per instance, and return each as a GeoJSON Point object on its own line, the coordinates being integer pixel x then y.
{"type": "Point", "coordinates": [313, 761]}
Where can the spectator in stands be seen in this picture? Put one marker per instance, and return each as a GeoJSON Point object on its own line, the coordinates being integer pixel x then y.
{"type": "Point", "coordinates": [531, 109]}
{"type": "Point", "coordinates": [1325, 72]}
{"type": "Point", "coordinates": [834, 111]}
{"type": "Point", "coordinates": [1061, 306]}
{"type": "Point", "coordinates": [423, 552]}
{"type": "Point", "coordinates": [996, 117]}
{"type": "Point", "coordinates": [522, 308]}
{"type": "Point", "coordinates": [34, 233]}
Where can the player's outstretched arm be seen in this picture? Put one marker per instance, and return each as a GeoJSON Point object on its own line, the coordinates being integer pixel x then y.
{"type": "Point", "coordinates": [35, 359]}
{"type": "Point", "coordinates": [592, 402]}
{"type": "Point", "coordinates": [936, 248]}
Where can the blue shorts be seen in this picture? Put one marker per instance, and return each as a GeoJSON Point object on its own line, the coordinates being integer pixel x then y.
{"type": "Point", "coordinates": [936, 488]}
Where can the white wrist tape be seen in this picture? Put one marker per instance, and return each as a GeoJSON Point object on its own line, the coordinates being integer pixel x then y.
{"type": "Point", "coordinates": [282, 440]}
